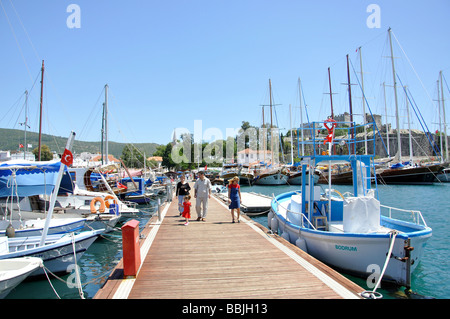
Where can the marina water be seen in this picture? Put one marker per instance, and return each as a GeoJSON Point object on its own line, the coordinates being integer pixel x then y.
{"type": "Point", "coordinates": [430, 279]}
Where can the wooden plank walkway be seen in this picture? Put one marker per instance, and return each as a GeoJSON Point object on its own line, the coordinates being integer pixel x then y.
{"type": "Point", "coordinates": [219, 259]}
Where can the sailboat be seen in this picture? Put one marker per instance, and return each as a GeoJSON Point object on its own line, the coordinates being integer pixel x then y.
{"type": "Point", "coordinates": [410, 173]}
{"type": "Point", "coordinates": [295, 174]}
{"type": "Point", "coordinates": [271, 173]}
{"type": "Point", "coordinates": [20, 180]}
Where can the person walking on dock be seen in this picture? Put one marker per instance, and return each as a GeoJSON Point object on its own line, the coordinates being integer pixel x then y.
{"type": "Point", "coordinates": [202, 188]}
{"type": "Point", "coordinates": [234, 197]}
{"type": "Point", "coordinates": [186, 208]}
{"type": "Point", "coordinates": [183, 189]}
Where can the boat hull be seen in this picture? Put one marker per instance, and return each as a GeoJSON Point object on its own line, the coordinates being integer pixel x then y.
{"type": "Point", "coordinates": [14, 271]}
{"type": "Point", "coordinates": [296, 179]}
{"type": "Point", "coordinates": [35, 227]}
{"type": "Point", "coordinates": [363, 255]}
{"type": "Point", "coordinates": [278, 178]}
{"type": "Point", "coordinates": [421, 175]}
{"type": "Point", "coordinates": [57, 253]}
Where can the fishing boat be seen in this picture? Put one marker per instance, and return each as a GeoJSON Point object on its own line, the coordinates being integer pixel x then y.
{"type": "Point", "coordinates": [272, 176]}
{"type": "Point", "coordinates": [246, 175]}
{"type": "Point", "coordinates": [229, 171]}
{"type": "Point", "coordinates": [20, 180]}
{"type": "Point", "coordinates": [136, 190]}
{"type": "Point", "coordinates": [15, 270]}
{"type": "Point", "coordinates": [355, 234]}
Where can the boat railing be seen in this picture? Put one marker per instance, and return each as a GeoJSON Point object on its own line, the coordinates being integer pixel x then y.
{"type": "Point", "coordinates": [344, 138]}
{"type": "Point", "coordinates": [415, 215]}
{"type": "Point", "coordinates": [294, 212]}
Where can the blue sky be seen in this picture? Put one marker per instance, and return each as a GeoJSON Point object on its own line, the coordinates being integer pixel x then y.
{"type": "Point", "coordinates": [169, 63]}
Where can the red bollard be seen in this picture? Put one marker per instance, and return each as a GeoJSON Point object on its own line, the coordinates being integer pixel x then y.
{"type": "Point", "coordinates": [131, 249]}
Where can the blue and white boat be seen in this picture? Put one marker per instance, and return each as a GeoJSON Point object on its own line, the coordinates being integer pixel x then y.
{"type": "Point", "coordinates": [20, 179]}
{"type": "Point", "coordinates": [355, 234]}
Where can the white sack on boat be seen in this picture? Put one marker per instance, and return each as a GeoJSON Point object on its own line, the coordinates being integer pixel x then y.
{"type": "Point", "coordinates": [361, 214]}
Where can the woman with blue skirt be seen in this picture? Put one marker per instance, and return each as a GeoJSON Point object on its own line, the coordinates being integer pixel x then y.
{"type": "Point", "coordinates": [234, 197]}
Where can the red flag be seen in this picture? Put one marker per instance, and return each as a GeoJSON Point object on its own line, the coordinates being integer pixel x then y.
{"type": "Point", "coordinates": [20, 145]}
{"type": "Point", "coordinates": [206, 167]}
{"type": "Point", "coordinates": [120, 185]}
{"type": "Point", "coordinates": [67, 157]}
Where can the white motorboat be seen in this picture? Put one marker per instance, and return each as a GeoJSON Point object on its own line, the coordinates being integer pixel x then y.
{"type": "Point", "coordinates": [57, 252]}
{"type": "Point", "coordinates": [355, 234]}
{"type": "Point", "coordinates": [15, 270]}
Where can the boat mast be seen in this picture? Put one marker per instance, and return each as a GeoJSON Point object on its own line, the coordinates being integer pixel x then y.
{"type": "Point", "coordinates": [264, 136]}
{"type": "Point", "coordinates": [397, 121]}
{"type": "Point", "coordinates": [409, 130]}
{"type": "Point", "coordinates": [331, 100]}
{"type": "Point", "coordinates": [301, 114]}
{"type": "Point", "coordinates": [106, 125]}
{"type": "Point", "coordinates": [351, 109]}
{"type": "Point", "coordinates": [331, 94]}
{"type": "Point", "coordinates": [40, 112]}
{"type": "Point", "coordinates": [271, 137]}
{"type": "Point", "coordinates": [387, 123]}
{"type": "Point", "coordinates": [440, 123]}
{"type": "Point", "coordinates": [25, 124]}
{"type": "Point", "coordinates": [443, 113]}
{"type": "Point", "coordinates": [292, 140]}
{"type": "Point", "coordinates": [55, 191]}
{"type": "Point", "coordinates": [363, 101]}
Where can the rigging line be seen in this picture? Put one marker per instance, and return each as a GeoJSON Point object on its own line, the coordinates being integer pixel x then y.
{"type": "Point", "coordinates": [15, 38]}
{"type": "Point", "coordinates": [445, 80]}
{"type": "Point", "coordinates": [368, 106]}
{"type": "Point", "coordinates": [306, 109]}
{"type": "Point", "coordinates": [415, 72]}
{"type": "Point", "coordinates": [12, 106]}
{"type": "Point", "coordinates": [90, 115]}
{"type": "Point", "coordinates": [25, 30]}
{"type": "Point", "coordinates": [414, 107]}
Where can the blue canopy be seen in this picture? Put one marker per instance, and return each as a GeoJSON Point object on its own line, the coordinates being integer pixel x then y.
{"type": "Point", "coordinates": [32, 178]}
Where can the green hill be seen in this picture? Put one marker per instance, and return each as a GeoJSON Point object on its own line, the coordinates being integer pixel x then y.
{"type": "Point", "coordinates": [10, 140]}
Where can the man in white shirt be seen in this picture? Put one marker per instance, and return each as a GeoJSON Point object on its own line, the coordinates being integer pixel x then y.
{"type": "Point", "coordinates": [202, 188]}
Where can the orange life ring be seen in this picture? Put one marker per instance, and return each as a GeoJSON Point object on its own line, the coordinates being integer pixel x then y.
{"type": "Point", "coordinates": [107, 198]}
{"type": "Point", "coordinates": [102, 205]}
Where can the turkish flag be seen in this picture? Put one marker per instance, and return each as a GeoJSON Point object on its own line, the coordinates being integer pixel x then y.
{"type": "Point", "coordinates": [120, 185]}
{"type": "Point", "coordinates": [20, 145]}
{"type": "Point", "coordinates": [67, 157]}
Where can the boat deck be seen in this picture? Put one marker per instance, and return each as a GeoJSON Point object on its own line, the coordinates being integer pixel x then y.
{"type": "Point", "coordinates": [252, 203]}
{"type": "Point", "coordinates": [218, 259]}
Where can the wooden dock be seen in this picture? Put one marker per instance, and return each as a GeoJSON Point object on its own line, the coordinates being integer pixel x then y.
{"type": "Point", "coordinates": [217, 259]}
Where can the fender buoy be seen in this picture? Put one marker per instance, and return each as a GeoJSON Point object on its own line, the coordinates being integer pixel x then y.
{"type": "Point", "coordinates": [102, 205]}
{"type": "Point", "coordinates": [269, 218]}
{"type": "Point", "coordinates": [107, 198]}
{"type": "Point", "coordinates": [301, 243]}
